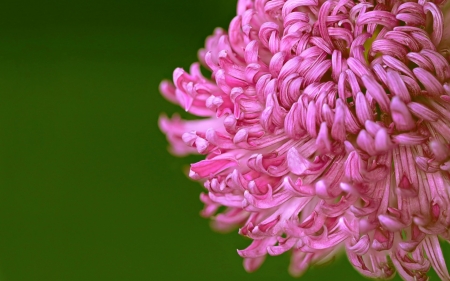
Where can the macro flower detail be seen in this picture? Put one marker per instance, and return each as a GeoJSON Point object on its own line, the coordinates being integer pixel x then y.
{"type": "Point", "coordinates": [326, 126]}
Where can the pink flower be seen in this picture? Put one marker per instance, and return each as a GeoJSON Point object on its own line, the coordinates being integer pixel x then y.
{"type": "Point", "coordinates": [326, 127]}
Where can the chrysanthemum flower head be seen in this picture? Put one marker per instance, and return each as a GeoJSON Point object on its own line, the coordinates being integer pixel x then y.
{"type": "Point", "coordinates": [326, 127]}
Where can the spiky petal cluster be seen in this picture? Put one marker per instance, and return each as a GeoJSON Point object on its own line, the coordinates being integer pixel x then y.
{"type": "Point", "coordinates": [327, 127]}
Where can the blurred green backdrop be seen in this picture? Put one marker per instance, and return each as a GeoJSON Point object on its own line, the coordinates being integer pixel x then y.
{"type": "Point", "coordinates": [88, 189]}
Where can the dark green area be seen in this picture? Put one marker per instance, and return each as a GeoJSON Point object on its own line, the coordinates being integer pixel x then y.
{"type": "Point", "coordinates": [88, 190]}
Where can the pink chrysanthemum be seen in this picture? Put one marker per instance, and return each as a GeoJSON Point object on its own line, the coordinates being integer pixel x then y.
{"type": "Point", "coordinates": [327, 127]}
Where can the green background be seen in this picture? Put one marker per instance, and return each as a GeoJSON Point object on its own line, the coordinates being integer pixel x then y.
{"type": "Point", "coordinates": [88, 190]}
